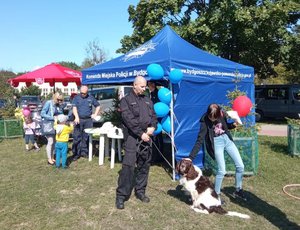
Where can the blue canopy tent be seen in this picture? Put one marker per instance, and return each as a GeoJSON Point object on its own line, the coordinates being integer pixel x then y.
{"type": "Point", "coordinates": [206, 79]}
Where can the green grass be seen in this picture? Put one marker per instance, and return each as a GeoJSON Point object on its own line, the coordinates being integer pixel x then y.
{"type": "Point", "coordinates": [34, 195]}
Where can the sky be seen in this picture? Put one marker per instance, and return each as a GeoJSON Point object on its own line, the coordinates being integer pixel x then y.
{"type": "Point", "coordinates": [36, 33]}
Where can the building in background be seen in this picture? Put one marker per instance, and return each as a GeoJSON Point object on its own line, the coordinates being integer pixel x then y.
{"type": "Point", "coordinates": [46, 89]}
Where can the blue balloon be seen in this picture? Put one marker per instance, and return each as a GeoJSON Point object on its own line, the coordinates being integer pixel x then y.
{"type": "Point", "coordinates": [161, 109]}
{"type": "Point", "coordinates": [166, 124]}
{"type": "Point", "coordinates": [155, 71]}
{"type": "Point", "coordinates": [158, 129]}
{"type": "Point", "coordinates": [164, 95]}
{"type": "Point", "coordinates": [175, 76]}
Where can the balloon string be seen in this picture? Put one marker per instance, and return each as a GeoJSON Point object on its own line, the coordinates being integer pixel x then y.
{"type": "Point", "coordinates": [172, 140]}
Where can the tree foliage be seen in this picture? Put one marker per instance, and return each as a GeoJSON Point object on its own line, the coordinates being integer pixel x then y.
{"type": "Point", "coordinates": [31, 90]}
{"type": "Point", "coordinates": [71, 65]}
{"type": "Point", "coordinates": [95, 54]}
{"type": "Point", "coordinates": [6, 91]}
{"type": "Point", "coordinates": [113, 115]}
{"type": "Point", "coordinates": [257, 33]}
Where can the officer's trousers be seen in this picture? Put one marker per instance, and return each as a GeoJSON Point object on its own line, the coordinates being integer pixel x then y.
{"type": "Point", "coordinates": [80, 138]}
{"type": "Point", "coordinates": [140, 159]}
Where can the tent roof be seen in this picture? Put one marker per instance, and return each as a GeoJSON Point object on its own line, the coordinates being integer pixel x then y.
{"type": "Point", "coordinates": [170, 51]}
{"type": "Point", "coordinates": [50, 73]}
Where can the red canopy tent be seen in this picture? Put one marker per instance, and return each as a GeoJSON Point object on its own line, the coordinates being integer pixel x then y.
{"type": "Point", "coordinates": [50, 73]}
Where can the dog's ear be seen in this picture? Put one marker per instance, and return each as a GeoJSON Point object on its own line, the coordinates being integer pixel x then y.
{"type": "Point", "coordinates": [192, 173]}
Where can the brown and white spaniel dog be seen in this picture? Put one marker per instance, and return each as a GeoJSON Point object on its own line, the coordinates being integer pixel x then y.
{"type": "Point", "coordinates": [205, 199]}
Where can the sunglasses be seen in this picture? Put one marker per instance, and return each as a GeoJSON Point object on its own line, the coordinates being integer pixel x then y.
{"type": "Point", "coordinates": [59, 99]}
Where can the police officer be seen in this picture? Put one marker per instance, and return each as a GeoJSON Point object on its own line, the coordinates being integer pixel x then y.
{"type": "Point", "coordinates": [139, 121]}
{"type": "Point", "coordinates": [82, 111]}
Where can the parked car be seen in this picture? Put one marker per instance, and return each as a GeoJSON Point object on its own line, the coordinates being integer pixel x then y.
{"type": "Point", "coordinates": [68, 102]}
{"type": "Point", "coordinates": [277, 101]}
{"type": "Point", "coordinates": [32, 102]}
{"type": "Point", "coordinates": [106, 95]}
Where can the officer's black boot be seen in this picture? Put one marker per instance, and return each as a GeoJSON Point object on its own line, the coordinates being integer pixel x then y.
{"type": "Point", "coordinates": [142, 197]}
{"type": "Point", "coordinates": [120, 203]}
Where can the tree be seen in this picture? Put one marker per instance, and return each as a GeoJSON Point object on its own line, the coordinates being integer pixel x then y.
{"type": "Point", "coordinates": [71, 65]}
{"type": "Point", "coordinates": [95, 54]}
{"type": "Point", "coordinates": [31, 90]}
{"type": "Point", "coordinates": [6, 91]}
{"type": "Point", "coordinates": [292, 62]}
{"type": "Point", "coordinates": [258, 33]}
{"type": "Point", "coordinates": [113, 115]}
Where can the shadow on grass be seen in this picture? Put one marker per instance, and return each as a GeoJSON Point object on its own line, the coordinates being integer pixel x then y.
{"type": "Point", "coordinates": [41, 140]}
{"type": "Point", "coordinates": [262, 208]}
{"type": "Point", "coordinates": [280, 148]}
{"type": "Point", "coordinates": [180, 194]}
{"type": "Point", "coordinates": [277, 147]}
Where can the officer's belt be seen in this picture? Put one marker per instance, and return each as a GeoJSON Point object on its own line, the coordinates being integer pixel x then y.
{"type": "Point", "coordinates": [84, 118]}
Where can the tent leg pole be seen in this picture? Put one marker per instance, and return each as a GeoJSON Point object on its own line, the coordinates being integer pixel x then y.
{"type": "Point", "coordinates": [172, 132]}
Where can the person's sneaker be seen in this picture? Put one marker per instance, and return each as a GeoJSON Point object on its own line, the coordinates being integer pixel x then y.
{"type": "Point", "coordinates": [143, 198]}
{"type": "Point", "coordinates": [37, 149]}
{"type": "Point", "coordinates": [120, 203]}
{"type": "Point", "coordinates": [240, 194]}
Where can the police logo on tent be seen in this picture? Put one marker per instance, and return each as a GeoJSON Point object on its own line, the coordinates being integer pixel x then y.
{"type": "Point", "coordinates": [140, 51]}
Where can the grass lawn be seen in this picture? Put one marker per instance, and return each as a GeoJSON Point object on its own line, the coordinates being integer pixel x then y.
{"type": "Point", "coordinates": [34, 195]}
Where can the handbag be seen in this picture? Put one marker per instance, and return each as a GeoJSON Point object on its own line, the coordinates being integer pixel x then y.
{"type": "Point", "coordinates": [47, 127]}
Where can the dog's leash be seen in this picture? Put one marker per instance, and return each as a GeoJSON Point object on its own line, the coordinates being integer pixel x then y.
{"type": "Point", "coordinates": [140, 149]}
{"type": "Point", "coordinates": [162, 155]}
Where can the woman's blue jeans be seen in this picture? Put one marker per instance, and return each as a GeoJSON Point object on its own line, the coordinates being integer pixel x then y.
{"type": "Point", "coordinates": [222, 143]}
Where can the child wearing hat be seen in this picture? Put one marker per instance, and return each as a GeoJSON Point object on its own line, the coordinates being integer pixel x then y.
{"type": "Point", "coordinates": [63, 129]}
{"type": "Point", "coordinates": [29, 127]}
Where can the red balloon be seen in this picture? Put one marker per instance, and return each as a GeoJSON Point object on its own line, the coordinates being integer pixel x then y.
{"type": "Point", "coordinates": [243, 105]}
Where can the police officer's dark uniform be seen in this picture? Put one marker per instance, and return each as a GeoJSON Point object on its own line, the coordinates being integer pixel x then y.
{"type": "Point", "coordinates": [137, 114]}
{"type": "Point", "coordinates": [84, 105]}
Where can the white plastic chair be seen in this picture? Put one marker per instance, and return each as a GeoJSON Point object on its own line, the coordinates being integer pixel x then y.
{"type": "Point", "coordinates": [91, 132]}
{"type": "Point", "coordinates": [103, 141]}
{"type": "Point", "coordinates": [115, 134]}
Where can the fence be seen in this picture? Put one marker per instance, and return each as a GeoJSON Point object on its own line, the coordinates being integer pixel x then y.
{"type": "Point", "coordinates": [248, 148]}
{"type": "Point", "coordinates": [11, 128]}
{"type": "Point", "coordinates": [294, 140]}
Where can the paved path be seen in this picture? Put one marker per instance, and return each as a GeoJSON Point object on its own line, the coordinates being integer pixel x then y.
{"type": "Point", "coordinates": [273, 130]}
